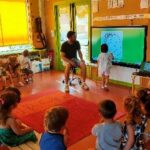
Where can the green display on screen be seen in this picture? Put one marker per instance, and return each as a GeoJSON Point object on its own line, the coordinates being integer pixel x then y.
{"type": "Point", "coordinates": [126, 43]}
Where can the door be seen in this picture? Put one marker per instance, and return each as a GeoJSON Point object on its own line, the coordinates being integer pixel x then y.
{"type": "Point", "coordinates": [72, 17]}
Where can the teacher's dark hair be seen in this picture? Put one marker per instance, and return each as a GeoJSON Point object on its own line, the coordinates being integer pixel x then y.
{"type": "Point", "coordinates": [70, 34]}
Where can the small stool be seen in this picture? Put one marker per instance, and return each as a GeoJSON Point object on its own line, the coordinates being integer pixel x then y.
{"type": "Point", "coordinates": [73, 77]}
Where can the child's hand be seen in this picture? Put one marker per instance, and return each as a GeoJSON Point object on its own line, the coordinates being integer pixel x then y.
{"type": "Point", "coordinates": [29, 129]}
{"type": "Point", "coordinates": [20, 124]}
{"type": "Point", "coordinates": [65, 131]}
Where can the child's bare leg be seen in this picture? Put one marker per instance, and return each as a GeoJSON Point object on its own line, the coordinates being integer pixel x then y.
{"type": "Point", "coordinates": [4, 80]}
{"type": "Point", "coordinates": [103, 81]}
{"type": "Point", "coordinates": [10, 78]}
{"type": "Point", "coordinates": [19, 78]}
{"type": "Point", "coordinates": [106, 81]}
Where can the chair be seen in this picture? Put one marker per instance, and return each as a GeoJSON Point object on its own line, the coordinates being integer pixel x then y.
{"type": "Point", "coordinates": [73, 77]}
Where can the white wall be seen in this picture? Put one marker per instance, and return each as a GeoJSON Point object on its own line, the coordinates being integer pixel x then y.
{"type": "Point", "coordinates": [123, 74]}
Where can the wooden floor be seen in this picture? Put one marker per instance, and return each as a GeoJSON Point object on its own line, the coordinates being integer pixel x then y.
{"type": "Point", "coordinates": [54, 79]}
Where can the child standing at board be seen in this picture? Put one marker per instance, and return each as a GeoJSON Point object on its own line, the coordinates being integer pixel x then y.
{"type": "Point", "coordinates": [104, 65]}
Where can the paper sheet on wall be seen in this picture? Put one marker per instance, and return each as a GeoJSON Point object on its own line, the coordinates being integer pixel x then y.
{"type": "Point", "coordinates": [145, 4]}
{"type": "Point", "coordinates": [95, 6]}
{"type": "Point", "coordinates": [115, 3]}
{"type": "Point", "coordinates": [120, 3]}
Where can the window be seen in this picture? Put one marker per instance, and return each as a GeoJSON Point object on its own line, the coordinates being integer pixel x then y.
{"type": "Point", "coordinates": [13, 22]}
{"type": "Point", "coordinates": [82, 28]}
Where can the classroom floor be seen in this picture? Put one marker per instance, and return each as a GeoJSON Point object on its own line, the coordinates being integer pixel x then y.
{"type": "Point", "coordinates": [53, 79]}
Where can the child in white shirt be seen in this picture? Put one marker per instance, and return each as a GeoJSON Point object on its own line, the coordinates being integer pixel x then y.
{"type": "Point", "coordinates": [25, 63]}
{"type": "Point", "coordinates": [104, 65]}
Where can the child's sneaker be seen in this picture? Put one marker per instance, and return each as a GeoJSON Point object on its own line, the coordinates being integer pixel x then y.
{"type": "Point", "coordinates": [21, 84]}
{"type": "Point", "coordinates": [12, 85]}
{"type": "Point", "coordinates": [67, 88]}
{"type": "Point", "coordinates": [102, 87]}
{"type": "Point", "coordinates": [105, 86]}
{"type": "Point", "coordinates": [84, 86]}
{"type": "Point", "coordinates": [26, 81]}
{"type": "Point", "coordinates": [3, 88]}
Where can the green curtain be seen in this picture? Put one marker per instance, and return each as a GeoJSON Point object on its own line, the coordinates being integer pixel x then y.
{"type": "Point", "coordinates": [72, 17]}
{"type": "Point", "coordinates": [58, 65]}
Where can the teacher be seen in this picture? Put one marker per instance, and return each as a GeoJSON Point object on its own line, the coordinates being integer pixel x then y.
{"type": "Point", "coordinates": [69, 50]}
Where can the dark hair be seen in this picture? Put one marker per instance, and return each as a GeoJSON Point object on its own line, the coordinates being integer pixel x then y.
{"type": "Point", "coordinates": [25, 53]}
{"type": "Point", "coordinates": [7, 100]}
{"type": "Point", "coordinates": [70, 34]}
{"type": "Point", "coordinates": [56, 118]}
{"type": "Point", "coordinates": [142, 95]}
{"type": "Point", "coordinates": [108, 109]}
{"type": "Point", "coordinates": [13, 89]}
{"type": "Point", "coordinates": [147, 108]}
{"type": "Point", "coordinates": [104, 48]}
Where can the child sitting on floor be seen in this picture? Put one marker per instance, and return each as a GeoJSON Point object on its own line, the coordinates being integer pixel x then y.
{"type": "Point", "coordinates": [4, 74]}
{"type": "Point", "coordinates": [134, 125]}
{"type": "Point", "coordinates": [56, 134]}
{"type": "Point", "coordinates": [12, 132]}
{"type": "Point", "coordinates": [104, 65]}
{"type": "Point", "coordinates": [14, 69]}
{"type": "Point", "coordinates": [26, 66]}
{"type": "Point", "coordinates": [109, 132]}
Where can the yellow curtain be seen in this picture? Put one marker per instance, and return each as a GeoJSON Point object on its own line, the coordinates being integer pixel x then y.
{"type": "Point", "coordinates": [13, 22]}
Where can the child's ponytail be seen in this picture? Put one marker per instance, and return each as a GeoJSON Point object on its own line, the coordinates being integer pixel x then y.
{"type": "Point", "coordinates": [133, 107]}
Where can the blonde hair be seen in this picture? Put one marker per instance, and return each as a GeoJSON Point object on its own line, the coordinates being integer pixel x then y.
{"type": "Point", "coordinates": [133, 107]}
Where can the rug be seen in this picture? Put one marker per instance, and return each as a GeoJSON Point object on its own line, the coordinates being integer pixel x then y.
{"type": "Point", "coordinates": [82, 114]}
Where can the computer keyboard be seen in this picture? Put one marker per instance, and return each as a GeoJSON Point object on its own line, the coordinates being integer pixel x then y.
{"type": "Point", "coordinates": [141, 73]}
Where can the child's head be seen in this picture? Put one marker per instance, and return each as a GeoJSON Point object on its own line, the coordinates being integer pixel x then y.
{"type": "Point", "coordinates": [15, 90]}
{"type": "Point", "coordinates": [133, 108]}
{"type": "Point", "coordinates": [142, 95]}
{"type": "Point", "coordinates": [107, 109]}
{"type": "Point", "coordinates": [8, 101]}
{"type": "Point", "coordinates": [55, 119]}
{"type": "Point", "coordinates": [25, 53]}
{"type": "Point", "coordinates": [12, 59]}
{"type": "Point", "coordinates": [104, 48]}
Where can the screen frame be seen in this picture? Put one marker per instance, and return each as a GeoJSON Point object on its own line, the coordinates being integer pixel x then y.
{"type": "Point", "coordinates": [122, 63]}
